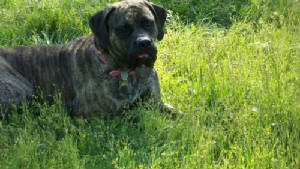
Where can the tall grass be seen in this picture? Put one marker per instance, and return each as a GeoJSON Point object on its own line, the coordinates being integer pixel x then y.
{"type": "Point", "coordinates": [231, 66]}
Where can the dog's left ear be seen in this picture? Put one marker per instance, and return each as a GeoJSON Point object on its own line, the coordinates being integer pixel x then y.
{"type": "Point", "coordinates": [160, 15]}
{"type": "Point", "coordinates": [98, 24]}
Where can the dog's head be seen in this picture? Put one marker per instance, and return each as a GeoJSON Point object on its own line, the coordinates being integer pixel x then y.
{"type": "Point", "coordinates": [127, 30]}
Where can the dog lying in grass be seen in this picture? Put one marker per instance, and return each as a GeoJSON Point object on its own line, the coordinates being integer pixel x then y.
{"type": "Point", "coordinates": [99, 73]}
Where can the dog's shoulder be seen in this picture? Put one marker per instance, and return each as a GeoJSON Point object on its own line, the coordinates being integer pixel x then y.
{"type": "Point", "coordinates": [88, 39]}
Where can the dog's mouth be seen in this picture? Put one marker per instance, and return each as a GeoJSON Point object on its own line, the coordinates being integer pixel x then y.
{"type": "Point", "coordinates": [138, 57]}
{"type": "Point", "coordinates": [143, 56]}
{"type": "Point", "coordinates": [146, 59]}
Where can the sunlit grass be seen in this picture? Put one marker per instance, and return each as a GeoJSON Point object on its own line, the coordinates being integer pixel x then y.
{"type": "Point", "coordinates": [239, 88]}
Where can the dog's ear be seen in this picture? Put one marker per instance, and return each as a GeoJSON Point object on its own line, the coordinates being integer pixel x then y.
{"type": "Point", "coordinates": [98, 24]}
{"type": "Point", "coordinates": [160, 15]}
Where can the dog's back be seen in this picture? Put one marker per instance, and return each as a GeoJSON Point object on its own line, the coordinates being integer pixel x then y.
{"type": "Point", "coordinates": [23, 67]}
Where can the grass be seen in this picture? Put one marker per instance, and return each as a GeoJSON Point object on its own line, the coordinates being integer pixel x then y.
{"type": "Point", "coordinates": [236, 78]}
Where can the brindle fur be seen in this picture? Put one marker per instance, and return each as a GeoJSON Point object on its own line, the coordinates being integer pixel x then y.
{"type": "Point", "coordinates": [75, 70]}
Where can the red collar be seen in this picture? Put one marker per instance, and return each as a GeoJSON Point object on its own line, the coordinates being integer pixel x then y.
{"type": "Point", "coordinates": [123, 75]}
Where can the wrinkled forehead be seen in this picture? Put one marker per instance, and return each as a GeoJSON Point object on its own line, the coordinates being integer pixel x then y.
{"type": "Point", "coordinates": [131, 14]}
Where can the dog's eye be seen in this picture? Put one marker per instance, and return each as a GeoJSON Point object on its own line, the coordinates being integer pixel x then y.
{"type": "Point", "coordinates": [148, 24]}
{"type": "Point", "coordinates": [124, 29]}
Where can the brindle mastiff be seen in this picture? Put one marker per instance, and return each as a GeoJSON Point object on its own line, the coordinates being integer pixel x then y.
{"type": "Point", "coordinates": [99, 73]}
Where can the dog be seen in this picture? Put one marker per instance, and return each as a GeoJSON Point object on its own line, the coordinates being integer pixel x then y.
{"type": "Point", "coordinates": [101, 73]}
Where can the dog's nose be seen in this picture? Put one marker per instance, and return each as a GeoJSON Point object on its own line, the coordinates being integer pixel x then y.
{"type": "Point", "coordinates": [143, 42]}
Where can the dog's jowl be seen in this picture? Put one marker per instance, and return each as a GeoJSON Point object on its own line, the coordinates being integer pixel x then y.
{"type": "Point", "coordinates": [99, 73]}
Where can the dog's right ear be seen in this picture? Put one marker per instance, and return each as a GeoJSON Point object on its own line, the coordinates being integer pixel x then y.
{"type": "Point", "coordinates": [98, 24]}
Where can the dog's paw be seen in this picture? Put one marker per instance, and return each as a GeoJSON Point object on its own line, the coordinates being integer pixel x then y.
{"type": "Point", "coordinates": [170, 110]}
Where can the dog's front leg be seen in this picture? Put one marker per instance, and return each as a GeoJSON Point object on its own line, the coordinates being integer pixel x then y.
{"type": "Point", "coordinates": [153, 93]}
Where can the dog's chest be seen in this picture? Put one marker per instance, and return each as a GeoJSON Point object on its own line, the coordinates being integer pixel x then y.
{"type": "Point", "coordinates": [123, 91]}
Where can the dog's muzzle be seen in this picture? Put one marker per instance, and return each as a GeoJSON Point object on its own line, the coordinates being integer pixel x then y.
{"type": "Point", "coordinates": [143, 52]}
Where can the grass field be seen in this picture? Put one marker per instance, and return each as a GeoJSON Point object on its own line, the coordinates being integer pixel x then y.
{"type": "Point", "coordinates": [231, 66]}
